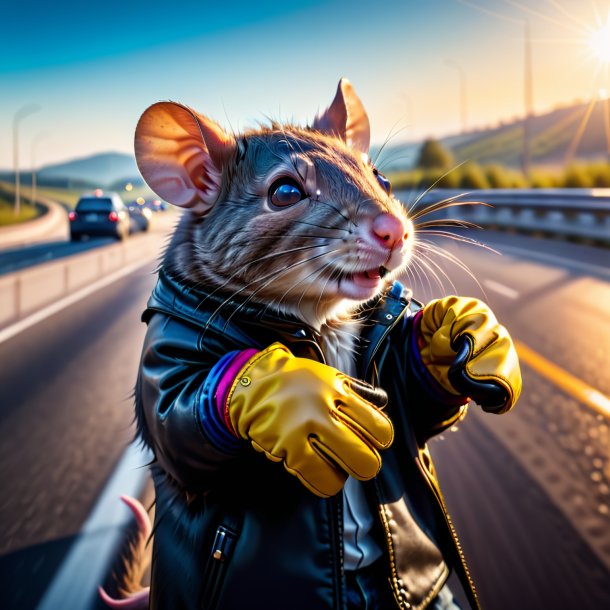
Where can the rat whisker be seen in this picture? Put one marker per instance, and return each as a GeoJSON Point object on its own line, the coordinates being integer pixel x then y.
{"type": "Point", "coordinates": [253, 262]}
{"type": "Point", "coordinates": [449, 256]}
{"type": "Point", "coordinates": [459, 238]}
{"type": "Point", "coordinates": [330, 205]}
{"type": "Point", "coordinates": [318, 226]}
{"type": "Point", "coordinates": [443, 204]}
{"type": "Point", "coordinates": [435, 183]}
{"type": "Point", "coordinates": [422, 276]}
{"type": "Point", "coordinates": [387, 140]}
{"type": "Point", "coordinates": [273, 277]}
{"type": "Point", "coordinates": [446, 222]}
{"type": "Point", "coordinates": [432, 266]}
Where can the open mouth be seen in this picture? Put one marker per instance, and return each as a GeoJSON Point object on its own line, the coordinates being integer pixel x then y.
{"type": "Point", "coordinates": [375, 274]}
{"type": "Point", "coordinates": [362, 284]}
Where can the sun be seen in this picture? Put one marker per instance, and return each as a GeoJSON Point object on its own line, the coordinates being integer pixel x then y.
{"type": "Point", "coordinates": [599, 43]}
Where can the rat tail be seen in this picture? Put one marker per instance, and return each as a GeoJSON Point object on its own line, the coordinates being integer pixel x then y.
{"type": "Point", "coordinates": [133, 595]}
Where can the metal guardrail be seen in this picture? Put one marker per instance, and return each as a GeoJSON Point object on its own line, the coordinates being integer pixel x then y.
{"type": "Point", "coordinates": [582, 214]}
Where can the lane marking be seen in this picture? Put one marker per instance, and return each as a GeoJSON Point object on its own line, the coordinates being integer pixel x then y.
{"type": "Point", "coordinates": [592, 398]}
{"type": "Point", "coordinates": [505, 291]}
{"type": "Point", "coordinates": [49, 310]}
{"type": "Point", "coordinates": [98, 543]}
{"type": "Point", "coordinates": [552, 258]}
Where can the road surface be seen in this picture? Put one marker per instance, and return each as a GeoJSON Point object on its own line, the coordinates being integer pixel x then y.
{"type": "Point", "coordinates": [529, 492]}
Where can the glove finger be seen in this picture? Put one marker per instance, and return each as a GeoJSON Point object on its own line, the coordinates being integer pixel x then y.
{"type": "Point", "coordinates": [350, 453]}
{"type": "Point", "coordinates": [491, 377]}
{"type": "Point", "coordinates": [366, 420]}
{"type": "Point", "coordinates": [317, 473]}
{"type": "Point", "coordinates": [376, 396]}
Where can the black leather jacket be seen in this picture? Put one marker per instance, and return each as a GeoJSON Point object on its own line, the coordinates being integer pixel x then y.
{"type": "Point", "coordinates": [236, 532]}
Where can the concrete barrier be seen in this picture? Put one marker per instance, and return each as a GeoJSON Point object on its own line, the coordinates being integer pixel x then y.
{"type": "Point", "coordinates": [24, 292]}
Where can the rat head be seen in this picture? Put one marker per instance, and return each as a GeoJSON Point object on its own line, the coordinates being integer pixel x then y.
{"type": "Point", "coordinates": [295, 218]}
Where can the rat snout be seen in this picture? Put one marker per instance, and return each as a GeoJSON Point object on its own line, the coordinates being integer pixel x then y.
{"type": "Point", "coordinates": [389, 231]}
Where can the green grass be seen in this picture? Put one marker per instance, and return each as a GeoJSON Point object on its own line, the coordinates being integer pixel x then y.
{"type": "Point", "coordinates": [470, 176]}
{"type": "Point", "coordinates": [7, 212]}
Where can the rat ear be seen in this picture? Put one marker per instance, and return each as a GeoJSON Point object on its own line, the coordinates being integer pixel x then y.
{"type": "Point", "coordinates": [346, 119]}
{"type": "Point", "coordinates": [181, 155]}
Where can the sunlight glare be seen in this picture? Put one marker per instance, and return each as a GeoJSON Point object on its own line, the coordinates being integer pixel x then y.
{"type": "Point", "coordinates": [600, 43]}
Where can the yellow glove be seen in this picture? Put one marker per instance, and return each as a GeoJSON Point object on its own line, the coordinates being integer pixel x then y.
{"type": "Point", "coordinates": [469, 353]}
{"type": "Point", "coordinates": [322, 424]}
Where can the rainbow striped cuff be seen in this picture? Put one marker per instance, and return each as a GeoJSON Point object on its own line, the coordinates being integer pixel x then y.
{"type": "Point", "coordinates": [212, 398]}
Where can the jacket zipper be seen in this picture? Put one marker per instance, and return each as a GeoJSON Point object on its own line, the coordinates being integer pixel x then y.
{"type": "Point", "coordinates": [336, 528]}
{"type": "Point", "coordinates": [220, 554]}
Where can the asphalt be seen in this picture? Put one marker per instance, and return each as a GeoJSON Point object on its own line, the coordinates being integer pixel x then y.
{"type": "Point", "coordinates": [65, 418]}
{"type": "Point", "coordinates": [529, 491]}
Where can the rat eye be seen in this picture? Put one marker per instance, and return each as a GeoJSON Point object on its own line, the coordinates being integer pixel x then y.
{"type": "Point", "coordinates": [285, 192]}
{"type": "Point", "coordinates": [383, 181]}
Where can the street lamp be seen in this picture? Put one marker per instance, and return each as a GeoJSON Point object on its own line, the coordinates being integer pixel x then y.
{"type": "Point", "coordinates": [21, 114]}
{"type": "Point", "coordinates": [35, 142]}
{"type": "Point", "coordinates": [463, 91]}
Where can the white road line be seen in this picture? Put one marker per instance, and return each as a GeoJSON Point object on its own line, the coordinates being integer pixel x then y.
{"type": "Point", "coordinates": [505, 291]}
{"type": "Point", "coordinates": [87, 563]}
{"type": "Point", "coordinates": [556, 260]}
{"type": "Point", "coordinates": [44, 313]}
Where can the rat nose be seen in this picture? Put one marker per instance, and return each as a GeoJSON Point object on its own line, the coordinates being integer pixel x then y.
{"type": "Point", "coordinates": [389, 230]}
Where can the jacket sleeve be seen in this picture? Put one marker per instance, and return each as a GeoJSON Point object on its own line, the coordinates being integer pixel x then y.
{"type": "Point", "coordinates": [171, 387]}
{"type": "Point", "coordinates": [431, 409]}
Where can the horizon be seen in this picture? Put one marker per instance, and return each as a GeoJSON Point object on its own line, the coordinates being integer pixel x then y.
{"type": "Point", "coordinates": [393, 143]}
{"type": "Point", "coordinates": [93, 72]}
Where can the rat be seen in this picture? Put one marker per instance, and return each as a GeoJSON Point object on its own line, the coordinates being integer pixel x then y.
{"type": "Point", "coordinates": [278, 332]}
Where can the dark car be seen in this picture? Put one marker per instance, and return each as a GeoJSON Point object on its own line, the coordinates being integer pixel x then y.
{"type": "Point", "coordinates": [156, 205]}
{"type": "Point", "coordinates": [140, 216]}
{"type": "Point", "coordinates": [99, 213]}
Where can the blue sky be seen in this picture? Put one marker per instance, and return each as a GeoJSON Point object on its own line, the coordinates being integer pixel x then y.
{"type": "Point", "coordinates": [94, 67]}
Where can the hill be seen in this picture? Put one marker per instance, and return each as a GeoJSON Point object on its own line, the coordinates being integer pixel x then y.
{"type": "Point", "coordinates": [105, 170]}
{"type": "Point", "coordinates": [574, 133]}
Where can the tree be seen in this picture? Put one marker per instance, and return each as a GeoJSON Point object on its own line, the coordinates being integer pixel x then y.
{"type": "Point", "coordinates": [433, 155]}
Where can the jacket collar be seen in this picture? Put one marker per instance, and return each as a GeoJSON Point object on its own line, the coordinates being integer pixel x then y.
{"type": "Point", "coordinates": [176, 298]}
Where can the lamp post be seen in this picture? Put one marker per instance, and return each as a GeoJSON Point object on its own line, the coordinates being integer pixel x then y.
{"type": "Point", "coordinates": [21, 114]}
{"type": "Point", "coordinates": [529, 103]}
{"type": "Point", "coordinates": [35, 142]}
{"type": "Point", "coordinates": [463, 91]}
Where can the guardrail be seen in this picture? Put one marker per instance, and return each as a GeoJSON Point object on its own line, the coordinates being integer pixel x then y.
{"type": "Point", "coordinates": [580, 214]}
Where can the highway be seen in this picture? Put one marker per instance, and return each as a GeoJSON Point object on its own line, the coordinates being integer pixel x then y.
{"type": "Point", "coordinates": [529, 491]}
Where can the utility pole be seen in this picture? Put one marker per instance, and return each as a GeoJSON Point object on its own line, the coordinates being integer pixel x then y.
{"type": "Point", "coordinates": [529, 103]}
{"type": "Point", "coordinates": [463, 92]}
{"type": "Point", "coordinates": [23, 112]}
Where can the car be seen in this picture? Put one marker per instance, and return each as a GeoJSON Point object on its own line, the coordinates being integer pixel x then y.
{"type": "Point", "coordinates": [140, 216]}
{"type": "Point", "coordinates": [99, 213]}
{"type": "Point", "coordinates": [156, 205]}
